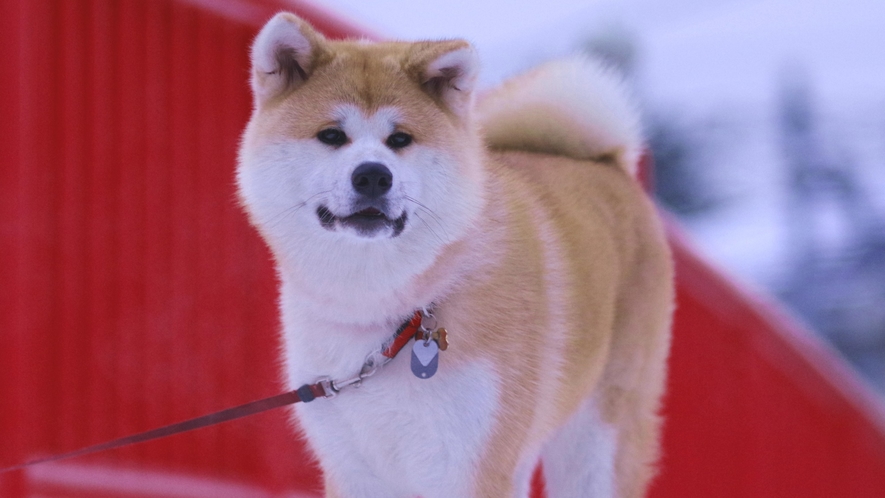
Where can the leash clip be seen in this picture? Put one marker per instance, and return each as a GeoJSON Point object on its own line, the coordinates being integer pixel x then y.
{"type": "Point", "coordinates": [353, 381]}
{"type": "Point", "coordinates": [373, 361]}
{"type": "Point", "coordinates": [328, 387]}
{"type": "Point", "coordinates": [428, 323]}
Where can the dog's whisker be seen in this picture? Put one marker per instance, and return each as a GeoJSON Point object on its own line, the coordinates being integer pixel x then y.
{"type": "Point", "coordinates": [430, 212]}
{"type": "Point", "coordinates": [276, 219]}
{"type": "Point", "coordinates": [432, 231]}
{"type": "Point", "coordinates": [435, 219]}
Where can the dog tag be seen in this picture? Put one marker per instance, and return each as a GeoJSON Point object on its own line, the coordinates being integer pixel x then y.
{"type": "Point", "coordinates": [425, 359]}
{"type": "Point", "coordinates": [441, 338]}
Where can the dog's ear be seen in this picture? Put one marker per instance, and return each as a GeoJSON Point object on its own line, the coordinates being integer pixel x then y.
{"type": "Point", "coordinates": [447, 72]}
{"type": "Point", "coordinates": [283, 54]}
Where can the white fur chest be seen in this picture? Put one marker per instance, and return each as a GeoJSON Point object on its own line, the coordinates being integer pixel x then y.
{"type": "Point", "coordinates": [398, 435]}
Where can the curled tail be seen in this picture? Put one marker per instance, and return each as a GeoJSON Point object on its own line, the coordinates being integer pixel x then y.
{"type": "Point", "coordinates": [572, 107]}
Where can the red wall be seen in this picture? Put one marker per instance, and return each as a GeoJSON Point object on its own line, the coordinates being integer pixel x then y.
{"type": "Point", "coordinates": [756, 406]}
{"type": "Point", "coordinates": [133, 293]}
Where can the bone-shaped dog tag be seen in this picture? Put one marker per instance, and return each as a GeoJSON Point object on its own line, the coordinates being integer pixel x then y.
{"type": "Point", "coordinates": [441, 337]}
{"type": "Point", "coordinates": [425, 359]}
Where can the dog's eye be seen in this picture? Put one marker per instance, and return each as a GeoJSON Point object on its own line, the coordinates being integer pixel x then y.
{"type": "Point", "coordinates": [399, 140]}
{"type": "Point", "coordinates": [332, 136]}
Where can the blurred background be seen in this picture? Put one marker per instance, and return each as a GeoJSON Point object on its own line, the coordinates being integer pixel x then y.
{"type": "Point", "coordinates": [766, 119]}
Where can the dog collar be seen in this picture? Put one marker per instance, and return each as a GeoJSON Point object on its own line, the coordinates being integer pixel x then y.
{"type": "Point", "coordinates": [428, 343]}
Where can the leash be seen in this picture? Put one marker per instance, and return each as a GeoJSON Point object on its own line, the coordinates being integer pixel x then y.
{"type": "Point", "coordinates": [324, 388]}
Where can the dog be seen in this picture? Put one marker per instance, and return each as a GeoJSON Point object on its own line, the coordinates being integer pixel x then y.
{"type": "Point", "coordinates": [504, 234]}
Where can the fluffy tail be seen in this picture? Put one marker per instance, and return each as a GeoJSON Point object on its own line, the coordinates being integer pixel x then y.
{"type": "Point", "coordinates": [573, 107]}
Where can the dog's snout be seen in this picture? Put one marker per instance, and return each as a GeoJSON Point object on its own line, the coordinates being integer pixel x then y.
{"type": "Point", "coordinates": [372, 179]}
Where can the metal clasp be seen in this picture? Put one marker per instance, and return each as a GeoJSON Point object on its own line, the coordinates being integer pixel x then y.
{"type": "Point", "coordinates": [428, 323]}
{"type": "Point", "coordinates": [354, 381]}
{"type": "Point", "coordinates": [373, 361]}
{"type": "Point", "coordinates": [328, 387]}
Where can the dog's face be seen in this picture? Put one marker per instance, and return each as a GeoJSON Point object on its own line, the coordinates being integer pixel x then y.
{"type": "Point", "coordinates": [361, 160]}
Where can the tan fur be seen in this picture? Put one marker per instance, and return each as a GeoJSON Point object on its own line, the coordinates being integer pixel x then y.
{"type": "Point", "coordinates": [564, 284]}
{"type": "Point", "coordinates": [618, 276]}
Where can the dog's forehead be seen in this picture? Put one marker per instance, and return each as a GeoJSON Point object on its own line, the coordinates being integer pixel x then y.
{"type": "Point", "coordinates": [380, 121]}
{"type": "Point", "coordinates": [371, 75]}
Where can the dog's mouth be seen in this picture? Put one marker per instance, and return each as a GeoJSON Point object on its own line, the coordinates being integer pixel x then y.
{"type": "Point", "coordinates": [367, 222]}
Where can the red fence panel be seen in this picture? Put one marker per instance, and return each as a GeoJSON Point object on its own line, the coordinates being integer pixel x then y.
{"type": "Point", "coordinates": [757, 406]}
{"type": "Point", "coordinates": [134, 294]}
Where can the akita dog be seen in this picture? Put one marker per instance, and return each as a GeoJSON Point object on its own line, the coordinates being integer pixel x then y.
{"type": "Point", "coordinates": [401, 216]}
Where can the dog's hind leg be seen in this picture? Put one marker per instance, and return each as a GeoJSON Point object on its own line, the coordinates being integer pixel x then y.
{"type": "Point", "coordinates": [579, 460]}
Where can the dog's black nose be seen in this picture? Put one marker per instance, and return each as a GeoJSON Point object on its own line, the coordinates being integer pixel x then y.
{"type": "Point", "coordinates": [372, 179]}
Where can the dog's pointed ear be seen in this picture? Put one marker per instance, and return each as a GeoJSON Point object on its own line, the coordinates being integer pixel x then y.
{"type": "Point", "coordinates": [283, 55]}
{"type": "Point", "coordinates": [447, 72]}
